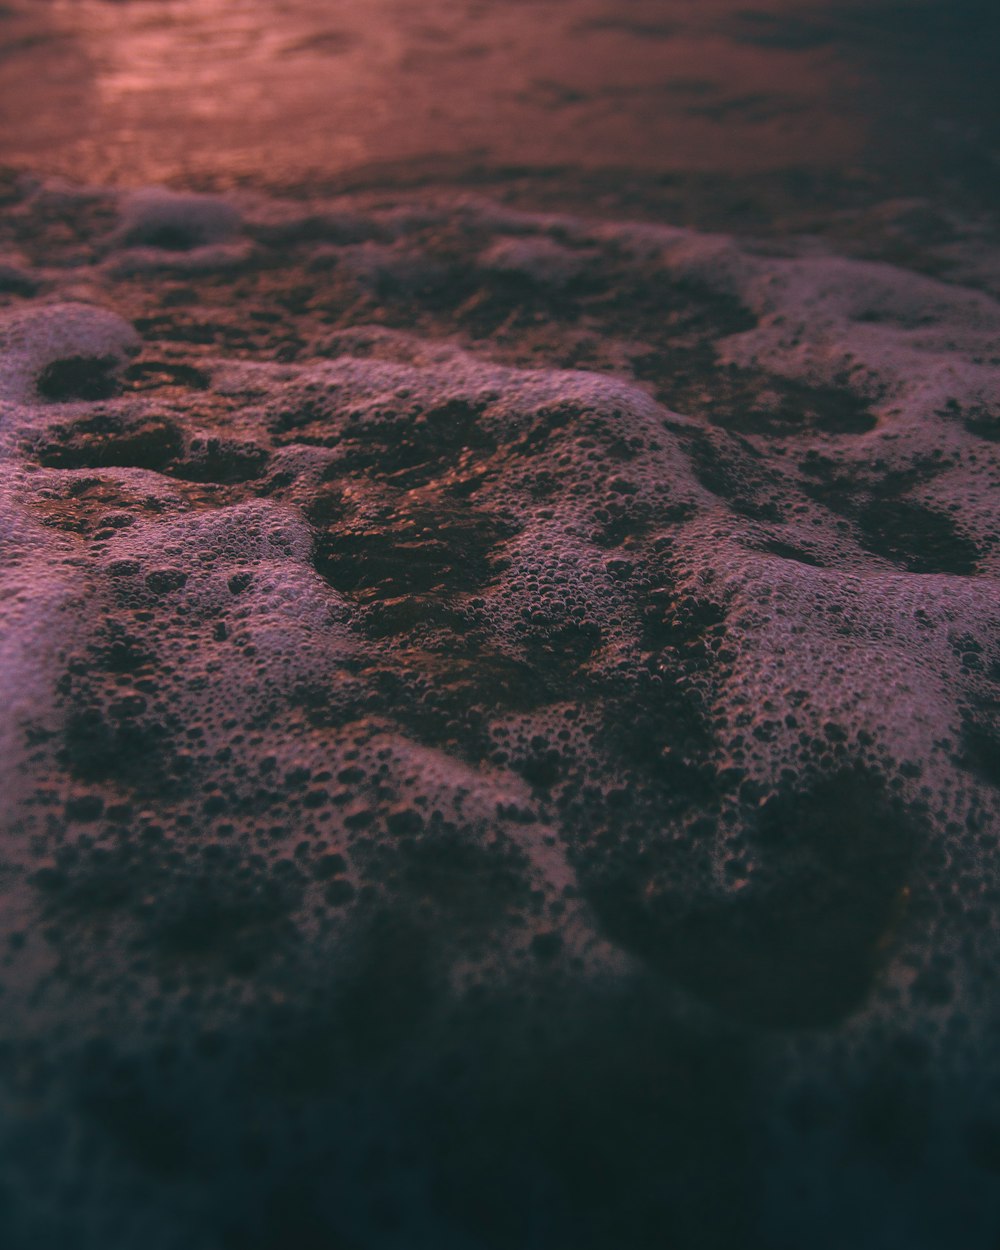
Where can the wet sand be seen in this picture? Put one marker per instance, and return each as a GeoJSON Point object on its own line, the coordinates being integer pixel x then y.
{"type": "Point", "coordinates": [500, 607]}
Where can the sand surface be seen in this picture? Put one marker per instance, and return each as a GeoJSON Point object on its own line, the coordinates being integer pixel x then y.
{"type": "Point", "coordinates": [500, 667]}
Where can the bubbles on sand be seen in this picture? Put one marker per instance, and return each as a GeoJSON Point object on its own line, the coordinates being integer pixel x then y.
{"type": "Point", "coordinates": [485, 689]}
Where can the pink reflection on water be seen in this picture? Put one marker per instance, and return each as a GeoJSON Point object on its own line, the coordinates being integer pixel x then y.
{"type": "Point", "coordinates": [169, 88]}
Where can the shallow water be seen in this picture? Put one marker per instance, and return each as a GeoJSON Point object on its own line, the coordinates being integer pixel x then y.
{"type": "Point", "coordinates": [500, 645]}
{"type": "Point", "coordinates": [140, 91]}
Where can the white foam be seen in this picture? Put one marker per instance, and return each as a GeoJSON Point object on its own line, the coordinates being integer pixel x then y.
{"type": "Point", "coordinates": [477, 612]}
{"type": "Point", "coordinates": [36, 338]}
{"type": "Point", "coordinates": [172, 219]}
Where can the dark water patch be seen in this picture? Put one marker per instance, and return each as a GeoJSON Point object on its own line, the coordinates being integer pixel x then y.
{"type": "Point", "coordinates": [754, 107]}
{"type": "Point", "coordinates": [786, 31]}
{"type": "Point", "coordinates": [427, 546]}
{"type": "Point", "coordinates": [788, 551]}
{"type": "Point", "coordinates": [893, 1117]}
{"type": "Point", "coordinates": [983, 420]}
{"type": "Point", "coordinates": [174, 238]}
{"type": "Point", "coordinates": [926, 23]}
{"type": "Point", "coordinates": [983, 1143]}
{"type": "Point", "coordinates": [611, 1120]}
{"type": "Point", "coordinates": [626, 1125]}
{"type": "Point", "coordinates": [153, 441]}
{"type": "Point", "coordinates": [436, 444]}
{"type": "Point", "coordinates": [105, 440]}
{"type": "Point", "coordinates": [683, 622]}
{"type": "Point", "coordinates": [326, 43]}
{"type": "Point", "coordinates": [78, 377]}
{"type": "Point", "coordinates": [891, 524]}
{"type": "Point", "coordinates": [119, 649]}
{"type": "Point", "coordinates": [220, 460]}
{"type": "Point", "coordinates": [472, 884]}
{"type": "Point", "coordinates": [203, 905]}
{"type": "Point", "coordinates": [748, 401]}
{"type": "Point", "coordinates": [17, 281]}
{"type": "Point", "coordinates": [731, 468]}
{"type": "Point", "coordinates": [446, 697]}
{"type": "Point", "coordinates": [802, 949]}
{"type": "Point", "coordinates": [919, 539]}
{"type": "Point", "coordinates": [630, 26]}
{"type": "Point", "coordinates": [124, 1101]}
{"type": "Point", "coordinates": [105, 740]}
{"type": "Point", "coordinates": [981, 745]}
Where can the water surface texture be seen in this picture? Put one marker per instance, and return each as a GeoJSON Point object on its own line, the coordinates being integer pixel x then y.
{"type": "Point", "coordinates": [499, 626]}
{"type": "Point", "coordinates": [139, 91]}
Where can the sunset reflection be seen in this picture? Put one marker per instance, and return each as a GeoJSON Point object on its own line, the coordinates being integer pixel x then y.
{"type": "Point", "coordinates": [303, 86]}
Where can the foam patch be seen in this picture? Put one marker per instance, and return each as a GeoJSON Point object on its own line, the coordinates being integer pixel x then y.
{"type": "Point", "coordinates": [63, 352]}
{"type": "Point", "coordinates": [176, 221]}
{"type": "Point", "coordinates": [502, 729]}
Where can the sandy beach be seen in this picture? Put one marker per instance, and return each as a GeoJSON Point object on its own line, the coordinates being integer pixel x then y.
{"type": "Point", "coordinates": [499, 626]}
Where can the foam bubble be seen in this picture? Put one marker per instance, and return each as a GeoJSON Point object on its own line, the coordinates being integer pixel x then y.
{"type": "Point", "coordinates": [176, 221]}
{"type": "Point", "coordinates": [60, 352]}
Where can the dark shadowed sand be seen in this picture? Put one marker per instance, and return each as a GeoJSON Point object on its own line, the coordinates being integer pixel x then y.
{"type": "Point", "coordinates": [499, 626]}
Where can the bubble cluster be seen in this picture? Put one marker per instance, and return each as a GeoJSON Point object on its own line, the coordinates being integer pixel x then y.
{"type": "Point", "coordinates": [481, 690]}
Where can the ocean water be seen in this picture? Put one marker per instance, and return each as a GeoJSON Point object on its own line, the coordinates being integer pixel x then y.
{"type": "Point", "coordinates": [500, 650]}
{"type": "Point", "coordinates": [896, 93]}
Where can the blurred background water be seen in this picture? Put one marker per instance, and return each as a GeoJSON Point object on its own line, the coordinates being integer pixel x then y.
{"type": "Point", "coordinates": [609, 100]}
